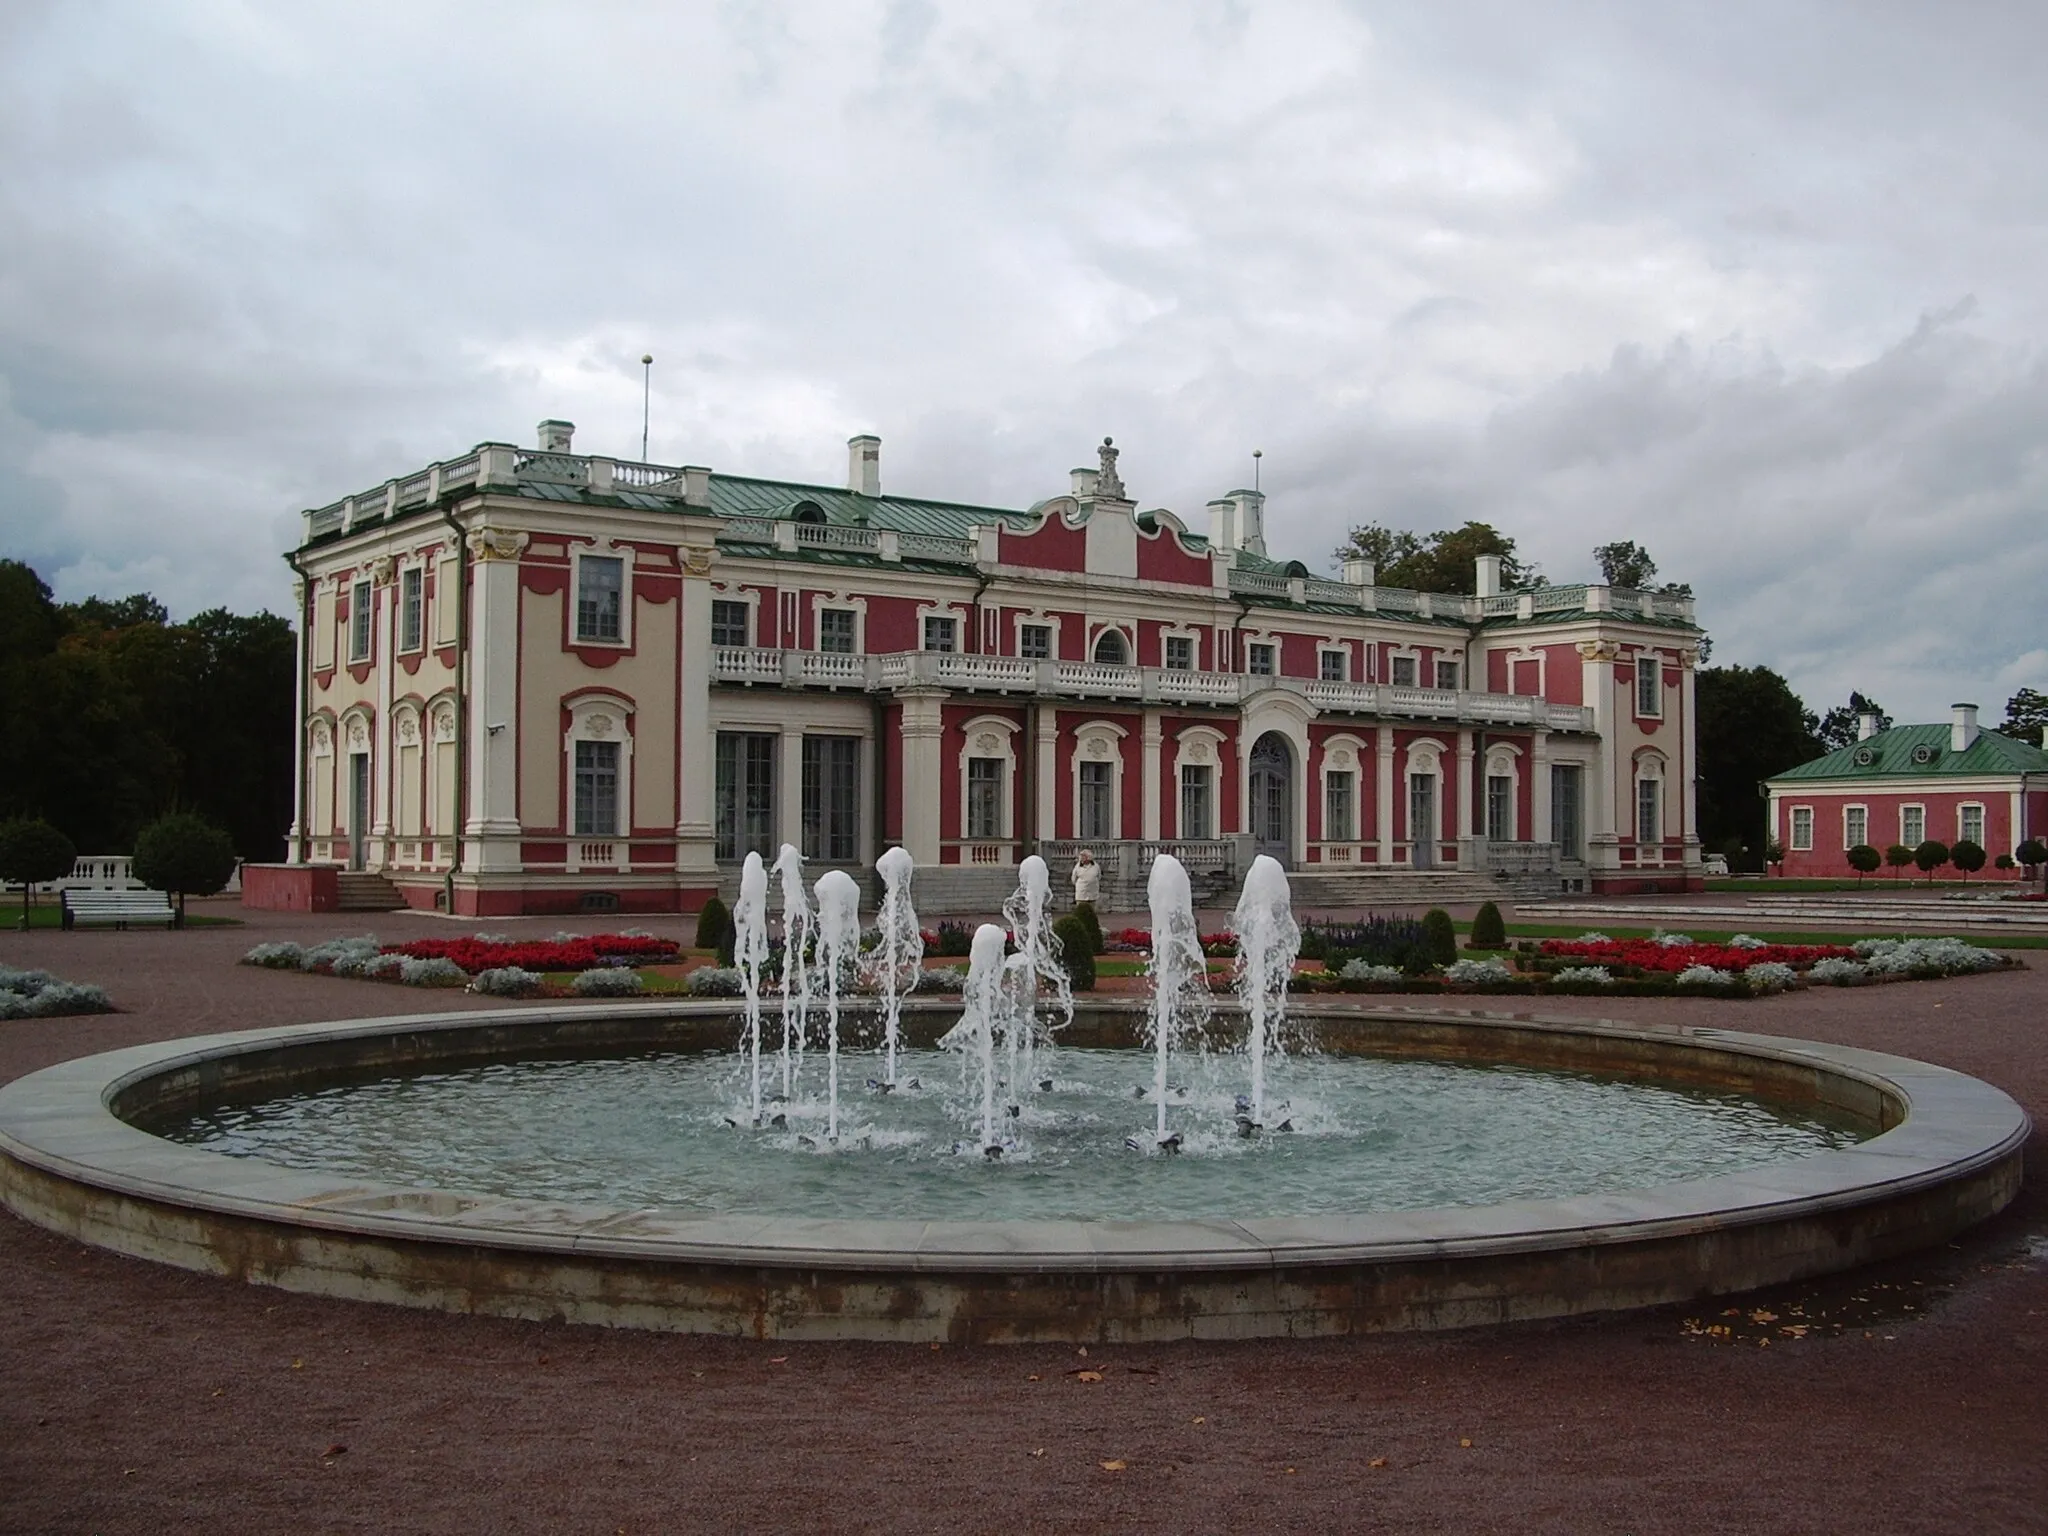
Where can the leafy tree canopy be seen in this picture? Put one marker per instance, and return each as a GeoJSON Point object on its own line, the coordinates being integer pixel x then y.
{"type": "Point", "coordinates": [32, 852]}
{"type": "Point", "coordinates": [1751, 725]}
{"type": "Point", "coordinates": [1625, 563]}
{"type": "Point", "coordinates": [1838, 728]}
{"type": "Point", "coordinates": [2026, 715]}
{"type": "Point", "coordinates": [1445, 561]}
{"type": "Point", "coordinates": [185, 854]}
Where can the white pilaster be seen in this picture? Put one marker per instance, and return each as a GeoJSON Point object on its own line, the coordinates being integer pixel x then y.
{"type": "Point", "coordinates": [1148, 757]}
{"type": "Point", "coordinates": [1467, 849]}
{"type": "Point", "coordinates": [1688, 759]}
{"type": "Point", "coordinates": [789, 786]}
{"type": "Point", "coordinates": [1541, 813]}
{"type": "Point", "coordinates": [1047, 747]}
{"type": "Point", "coordinates": [1596, 683]}
{"type": "Point", "coordinates": [493, 829]}
{"type": "Point", "coordinates": [696, 761]}
{"type": "Point", "coordinates": [923, 736]}
{"type": "Point", "coordinates": [385, 739]}
{"type": "Point", "coordinates": [1383, 793]}
{"type": "Point", "coordinates": [295, 847]}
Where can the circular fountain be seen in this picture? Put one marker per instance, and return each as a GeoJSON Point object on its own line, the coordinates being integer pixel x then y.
{"type": "Point", "coordinates": [1013, 1168]}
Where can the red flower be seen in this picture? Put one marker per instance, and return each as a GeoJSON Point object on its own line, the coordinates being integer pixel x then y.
{"type": "Point", "coordinates": [1649, 955]}
{"type": "Point", "coordinates": [581, 954]}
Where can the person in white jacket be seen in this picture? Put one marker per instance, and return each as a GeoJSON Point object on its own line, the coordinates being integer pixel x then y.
{"type": "Point", "coordinates": [1087, 877]}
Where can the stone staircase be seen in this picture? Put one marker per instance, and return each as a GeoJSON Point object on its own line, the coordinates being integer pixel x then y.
{"type": "Point", "coordinates": [364, 892]}
{"type": "Point", "coordinates": [1320, 890]}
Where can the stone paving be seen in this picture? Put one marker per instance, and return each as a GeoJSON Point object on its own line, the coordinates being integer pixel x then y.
{"type": "Point", "coordinates": [137, 1398]}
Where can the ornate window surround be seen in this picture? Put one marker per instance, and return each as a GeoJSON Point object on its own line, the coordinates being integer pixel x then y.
{"type": "Point", "coordinates": [1099, 741]}
{"type": "Point", "coordinates": [604, 549]}
{"type": "Point", "coordinates": [855, 603]}
{"type": "Point", "coordinates": [597, 714]}
{"type": "Point", "coordinates": [990, 736]}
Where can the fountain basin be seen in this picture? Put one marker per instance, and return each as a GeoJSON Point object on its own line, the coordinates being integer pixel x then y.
{"type": "Point", "coordinates": [1946, 1154]}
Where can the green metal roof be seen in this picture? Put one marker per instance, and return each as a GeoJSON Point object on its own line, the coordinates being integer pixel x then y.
{"type": "Point", "coordinates": [1921, 751]}
{"type": "Point", "coordinates": [736, 496]}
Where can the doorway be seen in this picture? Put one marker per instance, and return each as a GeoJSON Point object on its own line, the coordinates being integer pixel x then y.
{"type": "Point", "coordinates": [358, 808]}
{"type": "Point", "coordinates": [1422, 827]}
{"type": "Point", "coordinates": [1271, 782]}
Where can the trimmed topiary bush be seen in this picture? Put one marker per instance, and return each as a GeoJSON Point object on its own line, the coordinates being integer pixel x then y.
{"type": "Point", "coordinates": [1076, 952]}
{"type": "Point", "coordinates": [437, 972]}
{"type": "Point", "coordinates": [186, 855]}
{"type": "Point", "coordinates": [1929, 857]}
{"type": "Point", "coordinates": [1968, 857]}
{"type": "Point", "coordinates": [1897, 857]}
{"type": "Point", "coordinates": [609, 982]}
{"type": "Point", "coordinates": [1085, 910]}
{"type": "Point", "coordinates": [1864, 859]}
{"type": "Point", "coordinates": [1488, 931]}
{"type": "Point", "coordinates": [714, 928]}
{"type": "Point", "coordinates": [713, 981]}
{"type": "Point", "coordinates": [1439, 937]}
{"type": "Point", "coordinates": [32, 852]}
{"type": "Point", "coordinates": [506, 981]}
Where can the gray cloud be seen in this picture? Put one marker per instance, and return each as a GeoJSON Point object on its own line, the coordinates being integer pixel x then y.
{"type": "Point", "coordinates": [1757, 285]}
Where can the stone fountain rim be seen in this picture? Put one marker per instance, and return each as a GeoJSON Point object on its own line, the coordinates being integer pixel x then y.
{"type": "Point", "coordinates": [58, 1123]}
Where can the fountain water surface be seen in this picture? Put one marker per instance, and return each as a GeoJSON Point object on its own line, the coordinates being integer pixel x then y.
{"type": "Point", "coordinates": [838, 954]}
{"type": "Point", "coordinates": [750, 953]}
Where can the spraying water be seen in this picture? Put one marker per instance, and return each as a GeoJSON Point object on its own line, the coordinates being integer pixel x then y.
{"type": "Point", "coordinates": [896, 959]}
{"type": "Point", "coordinates": [984, 1000]}
{"type": "Point", "coordinates": [838, 952]}
{"type": "Point", "coordinates": [1268, 939]}
{"type": "Point", "coordinates": [1025, 913]}
{"type": "Point", "coordinates": [796, 943]}
{"type": "Point", "coordinates": [750, 952]}
{"type": "Point", "coordinates": [1180, 977]}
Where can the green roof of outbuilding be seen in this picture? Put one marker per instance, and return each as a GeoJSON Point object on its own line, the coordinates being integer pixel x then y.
{"type": "Point", "coordinates": [1898, 753]}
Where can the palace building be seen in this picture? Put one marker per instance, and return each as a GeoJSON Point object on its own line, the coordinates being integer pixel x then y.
{"type": "Point", "coordinates": [1945, 783]}
{"type": "Point", "coordinates": [533, 680]}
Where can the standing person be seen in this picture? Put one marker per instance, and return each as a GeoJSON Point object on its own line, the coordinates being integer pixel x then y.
{"type": "Point", "coordinates": [1087, 879]}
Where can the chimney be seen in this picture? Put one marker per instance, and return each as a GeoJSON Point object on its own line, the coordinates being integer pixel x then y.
{"type": "Point", "coordinates": [1357, 572]}
{"type": "Point", "coordinates": [864, 465]}
{"type": "Point", "coordinates": [1489, 575]}
{"type": "Point", "coordinates": [1251, 520]}
{"type": "Point", "coordinates": [1081, 483]}
{"type": "Point", "coordinates": [1866, 725]}
{"type": "Point", "coordinates": [1962, 728]}
{"type": "Point", "coordinates": [555, 436]}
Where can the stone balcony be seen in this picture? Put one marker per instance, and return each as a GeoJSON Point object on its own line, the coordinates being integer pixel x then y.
{"type": "Point", "coordinates": [1137, 685]}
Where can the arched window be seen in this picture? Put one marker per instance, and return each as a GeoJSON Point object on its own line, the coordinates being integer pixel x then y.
{"type": "Point", "coordinates": [1111, 649]}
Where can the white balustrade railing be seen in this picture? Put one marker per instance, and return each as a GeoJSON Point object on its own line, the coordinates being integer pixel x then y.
{"type": "Point", "coordinates": [748, 530]}
{"type": "Point", "coordinates": [831, 536]}
{"type": "Point", "coordinates": [745, 664]}
{"type": "Point", "coordinates": [1198, 687]}
{"type": "Point", "coordinates": [935, 546]}
{"type": "Point", "coordinates": [1522, 858]}
{"type": "Point", "coordinates": [1095, 680]}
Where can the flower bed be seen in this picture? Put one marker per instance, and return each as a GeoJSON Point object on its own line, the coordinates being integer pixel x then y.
{"type": "Point", "coordinates": [1652, 956]}
{"type": "Point", "coordinates": [583, 953]}
{"type": "Point", "coordinates": [39, 995]}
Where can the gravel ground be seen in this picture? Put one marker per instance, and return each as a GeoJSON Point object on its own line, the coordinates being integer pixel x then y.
{"type": "Point", "coordinates": [135, 1398]}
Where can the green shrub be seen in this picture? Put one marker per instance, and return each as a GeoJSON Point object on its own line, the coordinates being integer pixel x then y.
{"type": "Point", "coordinates": [956, 940]}
{"type": "Point", "coordinates": [714, 929]}
{"type": "Point", "coordinates": [185, 855]}
{"type": "Point", "coordinates": [32, 852]}
{"type": "Point", "coordinates": [1929, 857]}
{"type": "Point", "coordinates": [1085, 911]}
{"type": "Point", "coordinates": [1488, 931]}
{"type": "Point", "coordinates": [1864, 859]}
{"type": "Point", "coordinates": [1076, 951]}
{"type": "Point", "coordinates": [1968, 857]}
{"type": "Point", "coordinates": [1439, 937]}
{"type": "Point", "coordinates": [2031, 853]}
{"type": "Point", "coordinates": [1898, 856]}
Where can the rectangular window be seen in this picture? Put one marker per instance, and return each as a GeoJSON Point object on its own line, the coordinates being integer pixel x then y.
{"type": "Point", "coordinates": [1404, 672]}
{"type": "Point", "coordinates": [1098, 807]}
{"type": "Point", "coordinates": [729, 623]}
{"type": "Point", "coordinates": [743, 794]}
{"type": "Point", "coordinates": [1649, 687]}
{"type": "Point", "coordinates": [984, 795]}
{"type": "Point", "coordinates": [1802, 827]}
{"type": "Point", "coordinates": [1180, 653]}
{"type": "Point", "coordinates": [600, 592]}
{"type": "Point", "coordinates": [1034, 642]}
{"type": "Point", "coordinates": [1447, 676]}
{"type": "Point", "coordinates": [1912, 825]}
{"type": "Point", "coordinates": [1855, 826]}
{"type": "Point", "coordinates": [1500, 808]}
{"type": "Point", "coordinates": [1340, 806]}
{"type": "Point", "coordinates": [1564, 809]}
{"type": "Point", "coordinates": [359, 622]}
{"type": "Point", "coordinates": [939, 635]}
{"type": "Point", "coordinates": [412, 608]}
{"type": "Point", "coordinates": [831, 797]}
{"type": "Point", "coordinates": [597, 789]}
{"type": "Point", "coordinates": [1330, 666]}
{"type": "Point", "coordinates": [1195, 818]}
{"type": "Point", "coordinates": [1970, 825]}
{"type": "Point", "coordinates": [1258, 659]}
{"type": "Point", "coordinates": [1649, 817]}
{"type": "Point", "coordinates": [836, 630]}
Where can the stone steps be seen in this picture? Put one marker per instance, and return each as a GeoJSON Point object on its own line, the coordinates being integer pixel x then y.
{"type": "Point", "coordinates": [361, 891]}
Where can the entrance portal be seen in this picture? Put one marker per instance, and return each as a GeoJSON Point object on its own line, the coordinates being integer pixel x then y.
{"type": "Point", "coordinates": [1271, 782]}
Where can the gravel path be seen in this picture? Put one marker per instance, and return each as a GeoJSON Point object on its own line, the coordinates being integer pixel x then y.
{"type": "Point", "coordinates": [140, 1399]}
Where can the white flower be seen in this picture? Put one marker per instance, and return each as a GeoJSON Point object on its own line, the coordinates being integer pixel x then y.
{"type": "Point", "coordinates": [1705, 976]}
{"type": "Point", "coordinates": [1770, 976]}
{"type": "Point", "coordinates": [1834, 972]}
{"type": "Point", "coordinates": [1583, 976]}
{"type": "Point", "coordinates": [1672, 940]}
{"type": "Point", "coordinates": [1477, 972]}
{"type": "Point", "coordinates": [1365, 970]}
{"type": "Point", "coordinates": [1744, 941]}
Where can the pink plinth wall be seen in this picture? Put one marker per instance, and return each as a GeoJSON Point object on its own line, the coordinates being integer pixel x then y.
{"type": "Point", "coordinates": [291, 887]}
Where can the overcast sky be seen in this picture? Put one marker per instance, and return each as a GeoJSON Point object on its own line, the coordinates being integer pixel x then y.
{"type": "Point", "coordinates": [1761, 286]}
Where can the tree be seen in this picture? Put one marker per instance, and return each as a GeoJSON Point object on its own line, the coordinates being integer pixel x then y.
{"type": "Point", "coordinates": [2032, 853]}
{"type": "Point", "coordinates": [2005, 861]}
{"type": "Point", "coordinates": [1840, 726]}
{"type": "Point", "coordinates": [185, 855]}
{"type": "Point", "coordinates": [1446, 561]}
{"type": "Point", "coordinates": [1625, 563]}
{"type": "Point", "coordinates": [1774, 854]}
{"type": "Point", "coordinates": [1076, 952]}
{"type": "Point", "coordinates": [1488, 931]}
{"type": "Point", "coordinates": [1751, 726]}
{"type": "Point", "coordinates": [1439, 937]}
{"type": "Point", "coordinates": [1930, 856]}
{"type": "Point", "coordinates": [32, 852]}
{"type": "Point", "coordinates": [1898, 856]}
{"type": "Point", "coordinates": [2026, 716]}
{"type": "Point", "coordinates": [1864, 859]}
{"type": "Point", "coordinates": [1968, 857]}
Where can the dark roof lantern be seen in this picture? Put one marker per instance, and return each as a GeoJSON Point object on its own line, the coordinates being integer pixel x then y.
{"type": "Point", "coordinates": [807, 512]}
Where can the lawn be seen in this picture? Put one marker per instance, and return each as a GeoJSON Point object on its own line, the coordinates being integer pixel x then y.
{"type": "Point", "coordinates": [49, 914]}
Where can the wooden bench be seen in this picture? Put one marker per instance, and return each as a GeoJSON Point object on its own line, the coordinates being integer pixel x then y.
{"type": "Point", "coordinates": [117, 907]}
